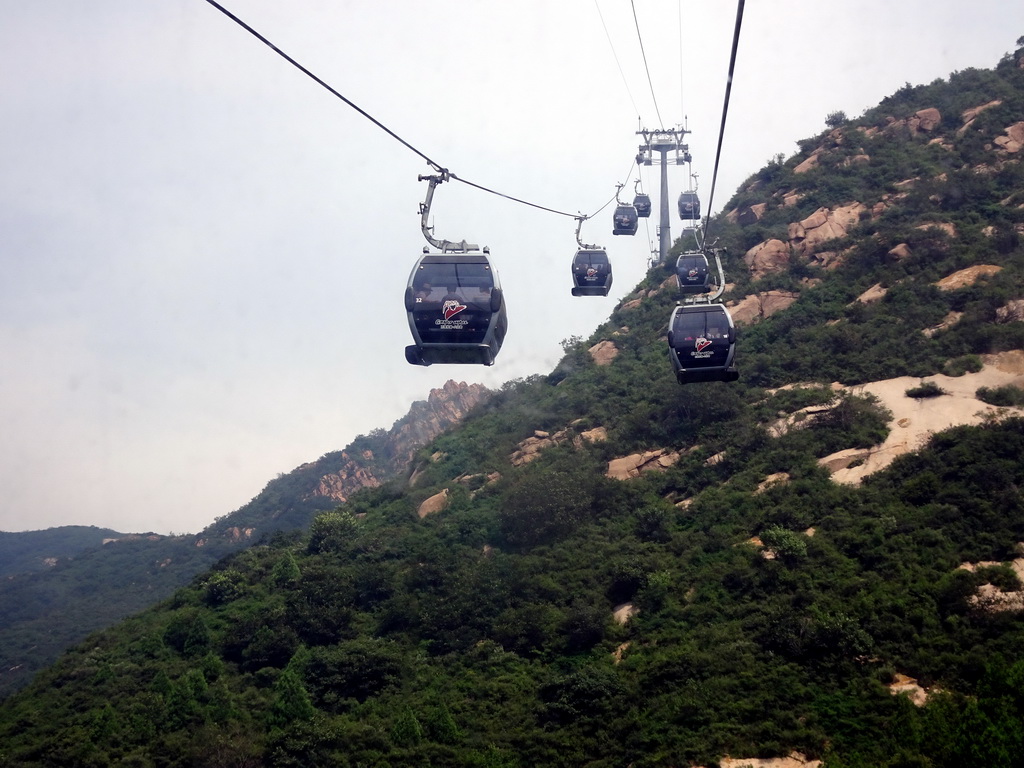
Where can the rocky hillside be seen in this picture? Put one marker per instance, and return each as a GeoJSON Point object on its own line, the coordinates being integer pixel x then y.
{"type": "Point", "coordinates": [818, 565]}
{"type": "Point", "coordinates": [64, 583]}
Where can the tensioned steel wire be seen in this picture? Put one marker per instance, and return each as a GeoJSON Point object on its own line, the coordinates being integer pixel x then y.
{"type": "Point", "coordinates": [445, 173]}
{"type": "Point", "coordinates": [725, 111]}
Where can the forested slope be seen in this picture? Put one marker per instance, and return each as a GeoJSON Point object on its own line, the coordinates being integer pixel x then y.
{"type": "Point", "coordinates": [732, 600]}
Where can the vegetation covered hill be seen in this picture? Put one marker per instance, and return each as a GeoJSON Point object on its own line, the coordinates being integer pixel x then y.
{"type": "Point", "coordinates": [732, 600]}
{"type": "Point", "coordinates": [63, 583]}
{"type": "Point", "coordinates": [30, 551]}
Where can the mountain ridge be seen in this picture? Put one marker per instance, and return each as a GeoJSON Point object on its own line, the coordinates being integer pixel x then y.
{"type": "Point", "coordinates": [732, 600]}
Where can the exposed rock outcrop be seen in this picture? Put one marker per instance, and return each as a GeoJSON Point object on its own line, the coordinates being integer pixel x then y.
{"type": "Point", "coordinates": [530, 448]}
{"type": "Point", "coordinates": [758, 306]}
{"type": "Point", "coordinates": [1013, 140]}
{"type": "Point", "coordinates": [966, 277]}
{"type": "Point", "coordinates": [604, 352]}
{"type": "Point", "coordinates": [434, 504]}
{"type": "Point", "coordinates": [915, 420]}
{"type": "Point", "coordinates": [631, 466]}
{"type": "Point", "coordinates": [766, 258]}
{"type": "Point", "coordinates": [343, 473]}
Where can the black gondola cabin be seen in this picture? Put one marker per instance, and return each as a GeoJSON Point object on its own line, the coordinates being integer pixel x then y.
{"type": "Point", "coordinates": [692, 273]}
{"type": "Point", "coordinates": [591, 272]}
{"type": "Point", "coordinates": [689, 206]}
{"type": "Point", "coordinates": [456, 310]}
{"type": "Point", "coordinates": [624, 220]}
{"type": "Point", "coordinates": [702, 343]}
{"type": "Point", "coordinates": [642, 203]}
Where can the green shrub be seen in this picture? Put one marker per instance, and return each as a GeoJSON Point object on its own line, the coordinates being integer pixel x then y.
{"type": "Point", "coordinates": [925, 389]}
{"type": "Point", "coordinates": [1007, 396]}
{"type": "Point", "coordinates": [958, 366]}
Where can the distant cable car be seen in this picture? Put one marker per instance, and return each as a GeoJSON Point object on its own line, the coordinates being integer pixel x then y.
{"type": "Point", "coordinates": [692, 273]}
{"type": "Point", "coordinates": [642, 203]}
{"type": "Point", "coordinates": [456, 310]}
{"type": "Point", "coordinates": [624, 220]}
{"type": "Point", "coordinates": [702, 343]}
{"type": "Point", "coordinates": [689, 206]}
{"type": "Point", "coordinates": [591, 272]}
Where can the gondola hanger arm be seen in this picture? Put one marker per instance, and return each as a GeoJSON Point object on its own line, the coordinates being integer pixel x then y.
{"type": "Point", "coordinates": [445, 246]}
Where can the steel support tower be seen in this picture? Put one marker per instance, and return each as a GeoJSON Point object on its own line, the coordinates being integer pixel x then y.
{"type": "Point", "coordinates": [663, 141]}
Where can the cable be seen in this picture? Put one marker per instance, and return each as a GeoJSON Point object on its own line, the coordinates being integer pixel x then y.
{"type": "Point", "coordinates": [642, 51]}
{"type": "Point", "coordinates": [616, 56]}
{"type": "Point", "coordinates": [725, 110]}
{"type": "Point", "coordinates": [436, 166]}
{"type": "Point", "coordinates": [682, 103]}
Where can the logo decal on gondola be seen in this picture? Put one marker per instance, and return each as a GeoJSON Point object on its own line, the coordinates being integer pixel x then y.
{"type": "Point", "coordinates": [692, 273]}
{"type": "Point", "coordinates": [451, 308]}
{"type": "Point", "coordinates": [701, 343]}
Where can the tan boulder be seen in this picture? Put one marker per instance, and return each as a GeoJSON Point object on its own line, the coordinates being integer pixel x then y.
{"type": "Point", "coordinates": [766, 258]}
{"type": "Point", "coordinates": [777, 478]}
{"type": "Point", "coordinates": [947, 227]}
{"type": "Point", "coordinates": [925, 120]}
{"type": "Point", "coordinates": [948, 321]}
{"type": "Point", "coordinates": [628, 467]}
{"type": "Point", "coordinates": [968, 115]}
{"type": "Point", "coordinates": [1011, 312]}
{"type": "Point", "coordinates": [793, 760]}
{"type": "Point", "coordinates": [899, 252]}
{"type": "Point", "coordinates": [604, 352]}
{"type": "Point", "coordinates": [624, 612]}
{"type": "Point", "coordinates": [1013, 141]}
{"type": "Point", "coordinates": [758, 306]}
{"type": "Point", "coordinates": [436, 503]}
{"type": "Point", "coordinates": [966, 277]}
{"type": "Point", "coordinates": [875, 293]}
{"type": "Point", "coordinates": [824, 225]}
{"type": "Point", "coordinates": [808, 164]}
{"type": "Point", "coordinates": [595, 435]}
{"type": "Point", "coordinates": [902, 684]}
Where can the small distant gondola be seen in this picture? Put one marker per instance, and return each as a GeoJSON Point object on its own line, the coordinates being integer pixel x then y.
{"type": "Point", "coordinates": [624, 220]}
{"type": "Point", "coordinates": [689, 206]}
{"type": "Point", "coordinates": [642, 203]}
{"type": "Point", "coordinates": [456, 310]}
{"type": "Point", "coordinates": [702, 343]}
{"type": "Point", "coordinates": [692, 273]}
{"type": "Point", "coordinates": [591, 272]}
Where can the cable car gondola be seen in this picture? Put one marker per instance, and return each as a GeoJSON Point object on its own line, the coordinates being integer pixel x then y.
{"type": "Point", "coordinates": [689, 206]}
{"type": "Point", "coordinates": [642, 203]}
{"type": "Point", "coordinates": [692, 273]}
{"type": "Point", "coordinates": [591, 272]}
{"type": "Point", "coordinates": [624, 220]}
{"type": "Point", "coordinates": [456, 310]}
{"type": "Point", "coordinates": [702, 343]}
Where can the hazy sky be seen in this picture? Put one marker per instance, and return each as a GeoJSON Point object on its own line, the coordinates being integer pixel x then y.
{"type": "Point", "coordinates": [203, 252]}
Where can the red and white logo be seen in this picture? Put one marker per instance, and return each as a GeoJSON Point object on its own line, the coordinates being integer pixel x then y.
{"type": "Point", "coordinates": [701, 343]}
{"type": "Point", "coordinates": [591, 272]}
{"type": "Point", "coordinates": [451, 308]}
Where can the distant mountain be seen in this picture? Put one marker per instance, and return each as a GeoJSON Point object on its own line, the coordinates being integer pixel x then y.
{"type": "Point", "coordinates": [63, 583]}
{"type": "Point", "coordinates": [817, 565]}
{"type": "Point", "coordinates": [31, 551]}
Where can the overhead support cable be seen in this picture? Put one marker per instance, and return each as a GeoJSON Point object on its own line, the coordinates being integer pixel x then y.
{"type": "Point", "coordinates": [433, 164]}
{"type": "Point", "coordinates": [611, 45]}
{"type": "Point", "coordinates": [725, 111]}
{"type": "Point", "coordinates": [682, 102]}
{"type": "Point", "coordinates": [661, 123]}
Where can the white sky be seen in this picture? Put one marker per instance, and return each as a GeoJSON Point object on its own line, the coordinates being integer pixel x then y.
{"type": "Point", "coordinates": [203, 252]}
